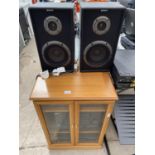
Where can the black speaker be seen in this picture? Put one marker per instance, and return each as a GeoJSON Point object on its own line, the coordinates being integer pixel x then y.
{"type": "Point", "coordinates": [53, 26]}
{"type": "Point", "coordinates": [99, 32]}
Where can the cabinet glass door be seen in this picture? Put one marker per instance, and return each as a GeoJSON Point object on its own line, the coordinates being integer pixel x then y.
{"type": "Point", "coordinates": [58, 122]}
{"type": "Point", "coordinates": [90, 118]}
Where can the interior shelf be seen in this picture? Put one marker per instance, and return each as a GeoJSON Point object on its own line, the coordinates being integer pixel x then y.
{"type": "Point", "coordinates": [82, 132]}
{"type": "Point", "coordinates": [89, 132]}
{"type": "Point", "coordinates": [57, 132]}
{"type": "Point", "coordinates": [57, 109]}
{"type": "Point", "coordinates": [82, 109]}
{"type": "Point", "coordinates": [92, 109]}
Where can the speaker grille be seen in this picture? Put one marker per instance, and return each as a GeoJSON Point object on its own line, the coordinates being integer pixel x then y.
{"type": "Point", "coordinates": [56, 54]}
{"type": "Point", "coordinates": [99, 22]}
{"type": "Point", "coordinates": [52, 25]}
{"type": "Point", "coordinates": [101, 25]}
{"type": "Point", "coordinates": [97, 54]}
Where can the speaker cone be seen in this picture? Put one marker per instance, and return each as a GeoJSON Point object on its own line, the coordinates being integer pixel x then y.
{"type": "Point", "coordinates": [52, 25]}
{"type": "Point", "coordinates": [97, 54]}
{"type": "Point", "coordinates": [56, 54]}
{"type": "Point", "coordinates": [101, 25]}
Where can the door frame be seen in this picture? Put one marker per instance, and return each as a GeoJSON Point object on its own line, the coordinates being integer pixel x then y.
{"type": "Point", "coordinates": [37, 105]}
{"type": "Point", "coordinates": [74, 111]}
{"type": "Point", "coordinates": [105, 123]}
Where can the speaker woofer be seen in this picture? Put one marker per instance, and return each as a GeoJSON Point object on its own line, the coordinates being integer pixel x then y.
{"type": "Point", "coordinates": [97, 54]}
{"type": "Point", "coordinates": [56, 54]}
{"type": "Point", "coordinates": [52, 25]}
{"type": "Point", "coordinates": [101, 25]}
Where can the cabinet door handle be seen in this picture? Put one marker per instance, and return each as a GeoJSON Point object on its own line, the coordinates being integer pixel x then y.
{"type": "Point", "coordinates": [76, 126]}
{"type": "Point", "coordinates": [108, 115]}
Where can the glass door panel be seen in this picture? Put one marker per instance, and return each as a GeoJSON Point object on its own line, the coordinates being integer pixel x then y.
{"type": "Point", "coordinates": [91, 117]}
{"type": "Point", "coordinates": [57, 118]}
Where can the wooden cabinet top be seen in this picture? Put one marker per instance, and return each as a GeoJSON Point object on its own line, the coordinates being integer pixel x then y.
{"type": "Point", "coordinates": [75, 86]}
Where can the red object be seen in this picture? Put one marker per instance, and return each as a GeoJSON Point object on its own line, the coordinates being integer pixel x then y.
{"type": "Point", "coordinates": [34, 1]}
{"type": "Point", "coordinates": [77, 6]}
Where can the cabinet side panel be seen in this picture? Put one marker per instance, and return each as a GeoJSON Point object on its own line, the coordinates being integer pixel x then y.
{"type": "Point", "coordinates": [106, 122]}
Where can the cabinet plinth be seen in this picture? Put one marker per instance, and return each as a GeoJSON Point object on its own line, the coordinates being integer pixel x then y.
{"type": "Point", "coordinates": [74, 109]}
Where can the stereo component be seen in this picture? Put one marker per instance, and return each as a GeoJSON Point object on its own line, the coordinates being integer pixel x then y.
{"type": "Point", "coordinates": [99, 32]}
{"type": "Point", "coordinates": [53, 27]}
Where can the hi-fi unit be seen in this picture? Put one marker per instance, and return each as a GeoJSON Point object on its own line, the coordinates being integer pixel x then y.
{"type": "Point", "coordinates": [99, 32]}
{"type": "Point", "coordinates": [53, 26]}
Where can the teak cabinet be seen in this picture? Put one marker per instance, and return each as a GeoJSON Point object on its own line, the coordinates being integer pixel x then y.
{"type": "Point", "coordinates": [74, 109]}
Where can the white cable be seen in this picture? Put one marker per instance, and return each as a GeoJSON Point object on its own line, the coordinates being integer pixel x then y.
{"type": "Point", "coordinates": [44, 74]}
{"type": "Point", "coordinates": [58, 71]}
